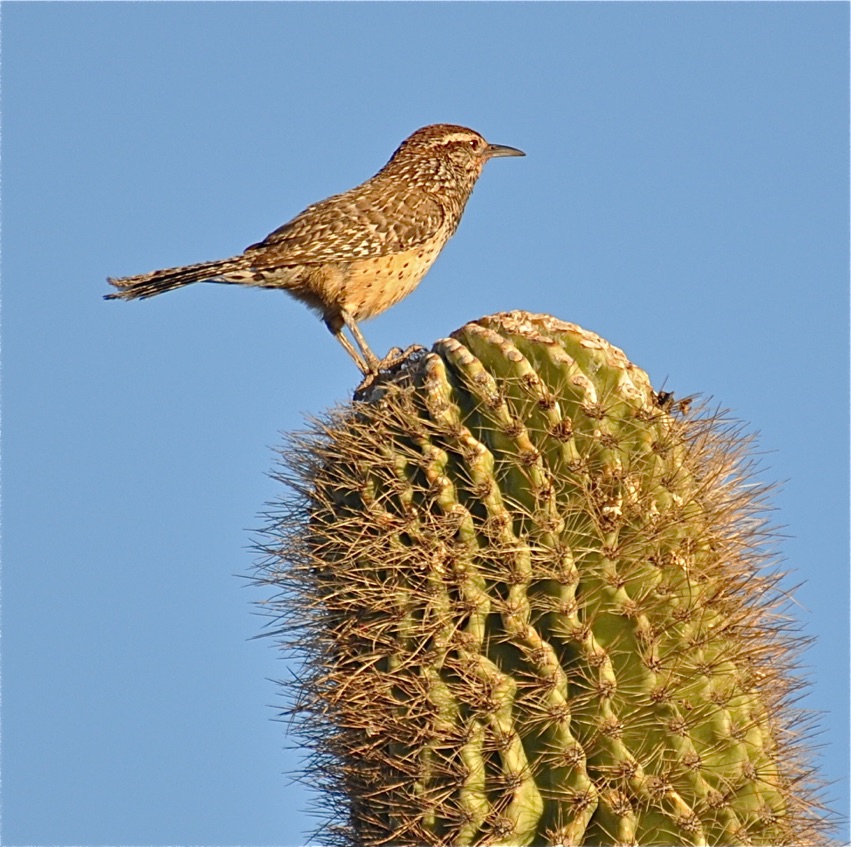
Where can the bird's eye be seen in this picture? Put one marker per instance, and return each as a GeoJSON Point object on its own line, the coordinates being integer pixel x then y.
{"type": "Point", "coordinates": [474, 143]}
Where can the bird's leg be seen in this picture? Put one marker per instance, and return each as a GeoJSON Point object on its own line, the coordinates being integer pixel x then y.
{"type": "Point", "coordinates": [347, 346]}
{"type": "Point", "coordinates": [372, 361]}
{"type": "Point", "coordinates": [334, 321]}
{"type": "Point", "coordinates": [365, 360]}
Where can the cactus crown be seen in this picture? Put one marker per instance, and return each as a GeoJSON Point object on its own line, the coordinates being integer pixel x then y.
{"type": "Point", "coordinates": [535, 604]}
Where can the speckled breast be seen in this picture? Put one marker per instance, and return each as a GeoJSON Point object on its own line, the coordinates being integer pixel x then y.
{"type": "Point", "coordinates": [377, 283]}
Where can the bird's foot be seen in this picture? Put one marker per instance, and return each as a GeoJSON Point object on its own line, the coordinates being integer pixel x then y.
{"type": "Point", "coordinates": [394, 359]}
{"type": "Point", "coordinates": [365, 384]}
{"type": "Point", "coordinates": [397, 356]}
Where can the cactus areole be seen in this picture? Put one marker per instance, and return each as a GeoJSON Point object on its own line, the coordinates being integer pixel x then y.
{"type": "Point", "coordinates": [533, 604]}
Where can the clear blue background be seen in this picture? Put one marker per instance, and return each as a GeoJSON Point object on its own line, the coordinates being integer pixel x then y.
{"type": "Point", "coordinates": [685, 195]}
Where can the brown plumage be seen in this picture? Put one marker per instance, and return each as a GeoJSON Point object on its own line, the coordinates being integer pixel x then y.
{"type": "Point", "coordinates": [354, 255]}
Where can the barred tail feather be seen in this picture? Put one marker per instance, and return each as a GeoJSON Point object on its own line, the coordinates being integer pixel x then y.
{"type": "Point", "coordinates": [157, 282]}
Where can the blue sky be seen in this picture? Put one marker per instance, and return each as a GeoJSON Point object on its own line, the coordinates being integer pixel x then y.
{"type": "Point", "coordinates": [685, 195]}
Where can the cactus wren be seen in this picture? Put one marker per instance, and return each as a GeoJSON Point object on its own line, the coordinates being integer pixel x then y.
{"type": "Point", "coordinates": [354, 255]}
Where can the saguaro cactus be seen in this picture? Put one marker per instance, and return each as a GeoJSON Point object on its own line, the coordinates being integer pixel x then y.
{"type": "Point", "coordinates": [532, 601]}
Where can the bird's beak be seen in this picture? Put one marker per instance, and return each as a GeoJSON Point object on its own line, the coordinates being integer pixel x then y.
{"type": "Point", "coordinates": [494, 150]}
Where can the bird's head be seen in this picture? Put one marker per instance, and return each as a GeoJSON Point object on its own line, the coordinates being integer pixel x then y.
{"type": "Point", "coordinates": [447, 151]}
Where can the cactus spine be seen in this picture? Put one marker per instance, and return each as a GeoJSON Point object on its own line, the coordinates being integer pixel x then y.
{"type": "Point", "coordinates": [533, 608]}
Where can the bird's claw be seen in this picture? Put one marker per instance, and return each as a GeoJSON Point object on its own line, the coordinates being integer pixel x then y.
{"type": "Point", "coordinates": [397, 356]}
{"type": "Point", "coordinates": [394, 359]}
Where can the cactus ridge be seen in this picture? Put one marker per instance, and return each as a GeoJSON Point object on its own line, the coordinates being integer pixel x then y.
{"type": "Point", "coordinates": [533, 606]}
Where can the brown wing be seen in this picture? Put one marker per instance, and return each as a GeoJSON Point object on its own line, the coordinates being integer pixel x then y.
{"type": "Point", "coordinates": [367, 222]}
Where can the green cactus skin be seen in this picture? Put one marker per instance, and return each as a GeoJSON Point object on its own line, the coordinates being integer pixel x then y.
{"type": "Point", "coordinates": [533, 607]}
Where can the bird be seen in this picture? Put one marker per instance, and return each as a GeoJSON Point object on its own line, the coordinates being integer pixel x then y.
{"type": "Point", "coordinates": [356, 254]}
